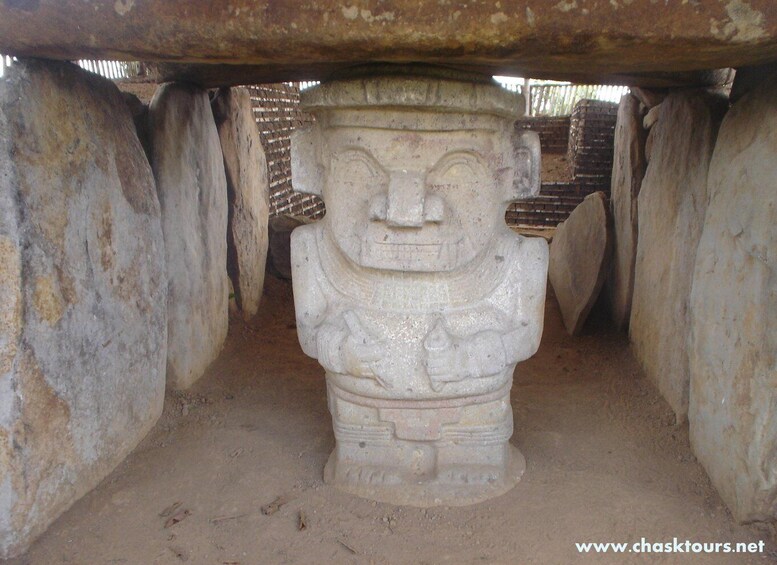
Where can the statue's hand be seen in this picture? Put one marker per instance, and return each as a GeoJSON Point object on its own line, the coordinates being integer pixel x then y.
{"type": "Point", "coordinates": [451, 359]}
{"type": "Point", "coordinates": [445, 358]}
{"type": "Point", "coordinates": [361, 352]}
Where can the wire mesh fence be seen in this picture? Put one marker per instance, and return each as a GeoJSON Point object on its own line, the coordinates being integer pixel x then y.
{"type": "Point", "coordinates": [550, 98]}
{"type": "Point", "coordinates": [109, 69]}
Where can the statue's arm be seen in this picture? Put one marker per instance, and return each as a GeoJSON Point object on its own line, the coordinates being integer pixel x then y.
{"type": "Point", "coordinates": [529, 303]}
{"type": "Point", "coordinates": [310, 303]}
{"type": "Point", "coordinates": [488, 352]}
{"type": "Point", "coordinates": [326, 332]}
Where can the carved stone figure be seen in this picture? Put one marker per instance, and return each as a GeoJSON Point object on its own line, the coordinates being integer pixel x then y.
{"type": "Point", "coordinates": [412, 292]}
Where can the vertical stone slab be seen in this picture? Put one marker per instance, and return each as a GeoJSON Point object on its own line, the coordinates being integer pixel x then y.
{"type": "Point", "coordinates": [733, 346]}
{"type": "Point", "coordinates": [627, 172]}
{"type": "Point", "coordinates": [83, 328]}
{"type": "Point", "coordinates": [189, 170]}
{"type": "Point", "coordinates": [672, 204]}
{"type": "Point", "coordinates": [580, 260]}
{"type": "Point", "coordinates": [248, 189]}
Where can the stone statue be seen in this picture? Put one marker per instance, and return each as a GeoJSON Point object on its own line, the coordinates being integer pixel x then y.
{"type": "Point", "coordinates": [412, 292]}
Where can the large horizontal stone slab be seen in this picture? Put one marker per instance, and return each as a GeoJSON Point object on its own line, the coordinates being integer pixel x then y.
{"type": "Point", "coordinates": [733, 346]}
{"type": "Point", "coordinates": [578, 39]}
{"type": "Point", "coordinates": [215, 75]}
{"type": "Point", "coordinates": [82, 293]}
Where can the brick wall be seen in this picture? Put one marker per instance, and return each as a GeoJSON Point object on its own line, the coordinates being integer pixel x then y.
{"type": "Point", "coordinates": [553, 132]}
{"type": "Point", "coordinates": [277, 111]}
{"type": "Point", "coordinates": [590, 154]}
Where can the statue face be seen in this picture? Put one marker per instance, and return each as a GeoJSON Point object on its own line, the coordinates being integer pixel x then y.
{"type": "Point", "coordinates": [410, 200]}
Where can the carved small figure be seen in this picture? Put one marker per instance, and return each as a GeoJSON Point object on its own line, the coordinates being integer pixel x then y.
{"type": "Point", "coordinates": [412, 292]}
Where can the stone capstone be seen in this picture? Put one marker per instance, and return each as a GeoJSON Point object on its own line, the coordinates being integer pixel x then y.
{"type": "Point", "coordinates": [415, 297]}
{"type": "Point", "coordinates": [580, 258]}
{"type": "Point", "coordinates": [259, 41]}
{"type": "Point", "coordinates": [83, 327]}
{"type": "Point", "coordinates": [248, 190]}
{"type": "Point", "coordinates": [733, 312]}
{"type": "Point", "coordinates": [189, 170]}
{"type": "Point", "coordinates": [627, 171]}
{"type": "Point", "coordinates": [672, 204]}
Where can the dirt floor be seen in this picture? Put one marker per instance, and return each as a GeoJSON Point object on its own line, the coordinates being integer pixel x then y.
{"type": "Point", "coordinates": [604, 463]}
{"type": "Point", "coordinates": [555, 168]}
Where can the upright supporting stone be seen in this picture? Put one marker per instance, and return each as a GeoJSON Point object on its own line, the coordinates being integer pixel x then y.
{"type": "Point", "coordinates": [628, 169]}
{"type": "Point", "coordinates": [412, 292]}
{"type": "Point", "coordinates": [580, 260]}
{"type": "Point", "coordinates": [672, 203]}
{"type": "Point", "coordinates": [733, 349]}
{"type": "Point", "coordinates": [189, 170]}
{"type": "Point", "coordinates": [82, 293]}
{"type": "Point", "coordinates": [248, 189]}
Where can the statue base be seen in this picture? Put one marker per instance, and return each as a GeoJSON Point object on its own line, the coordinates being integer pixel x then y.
{"type": "Point", "coordinates": [448, 452]}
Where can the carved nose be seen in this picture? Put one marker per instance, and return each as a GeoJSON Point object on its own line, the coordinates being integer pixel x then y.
{"type": "Point", "coordinates": [432, 208]}
{"type": "Point", "coordinates": [405, 205]}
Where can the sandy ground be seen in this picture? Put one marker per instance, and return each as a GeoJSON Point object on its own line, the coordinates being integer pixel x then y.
{"type": "Point", "coordinates": [605, 463]}
{"type": "Point", "coordinates": [555, 168]}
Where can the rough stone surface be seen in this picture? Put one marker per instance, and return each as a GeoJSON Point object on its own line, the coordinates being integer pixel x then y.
{"type": "Point", "coordinates": [412, 292]}
{"type": "Point", "coordinates": [628, 169]}
{"type": "Point", "coordinates": [672, 203]}
{"type": "Point", "coordinates": [189, 170]}
{"type": "Point", "coordinates": [649, 98]}
{"type": "Point", "coordinates": [248, 189]}
{"type": "Point", "coordinates": [139, 111]}
{"type": "Point", "coordinates": [651, 117]}
{"type": "Point", "coordinates": [280, 243]}
{"type": "Point", "coordinates": [733, 345]}
{"type": "Point", "coordinates": [82, 293]}
{"type": "Point", "coordinates": [580, 40]}
{"type": "Point", "coordinates": [580, 259]}
{"type": "Point", "coordinates": [649, 145]}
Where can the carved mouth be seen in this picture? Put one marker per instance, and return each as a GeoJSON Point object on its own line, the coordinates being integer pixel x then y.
{"type": "Point", "coordinates": [415, 256]}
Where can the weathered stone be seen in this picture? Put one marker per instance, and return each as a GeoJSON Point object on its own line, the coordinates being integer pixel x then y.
{"type": "Point", "coordinates": [139, 111]}
{"type": "Point", "coordinates": [671, 205]}
{"type": "Point", "coordinates": [649, 145]}
{"type": "Point", "coordinates": [649, 97]}
{"type": "Point", "coordinates": [580, 259]}
{"type": "Point", "coordinates": [651, 117]}
{"type": "Point", "coordinates": [189, 170]}
{"type": "Point", "coordinates": [248, 189]}
{"type": "Point", "coordinates": [411, 292]}
{"type": "Point", "coordinates": [82, 293]}
{"type": "Point", "coordinates": [733, 345]}
{"type": "Point", "coordinates": [583, 41]}
{"type": "Point", "coordinates": [210, 75]}
{"type": "Point", "coordinates": [280, 243]}
{"type": "Point", "coordinates": [627, 172]}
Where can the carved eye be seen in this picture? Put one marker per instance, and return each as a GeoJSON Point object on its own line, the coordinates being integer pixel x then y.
{"type": "Point", "coordinates": [462, 170]}
{"type": "Point", "coordinates": [357, 168]}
